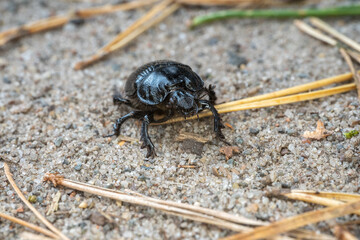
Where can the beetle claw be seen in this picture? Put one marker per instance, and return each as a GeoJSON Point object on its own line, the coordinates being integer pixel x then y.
{"type": "Point", "coordinates": [150, 148]}
{"type": "Point", "coordinates": [220, 135]}
{"type": "Point", "coordinates": [150, 152]}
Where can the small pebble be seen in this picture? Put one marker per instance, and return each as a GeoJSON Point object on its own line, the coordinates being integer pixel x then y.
{"type": "Point", "coordinates": [142, 178]}
{"type": "Point", "coordinates": [109, 186]}
{"type": "Point", "coordinates": [355, 104]}
{"type": "Point", "coordinates": [281, 130]}
{"type": "Point", "coordinates": [284, 151]}
{"type": "Point", "coordinates": [39, 199]}
{"type": "Point", "coordinates": [192, 146]}
{"type": "Point", "coordinates": [145, 167]}
{"type": "Point", "coordinates": [82, 225]}
{"type": "Point", "coordinates": [246, 152]}
{"type": "Point", "coordinates": [116, 67]}
{"type": "Point", "coordinates": [58, 142]}
{"type": "Point", "coordinates": [236, 60]}
{"type": "Point", "coordinates": [303, 75]}
{"type": "Point", "coordinates": [291, 132]}
{"type": "Point", "coordinates": [6, 80]}
{"type": "Point", "coordinates": [212, 41]}
{"type": "Point", "coordinates": [66, 162]}
{"type": "Point", "coordinates": [339, 146]}
{"type": "Point", "coordinates": [98, 219]}
{"type": "Point", "coordinates": [77, 21]}
{"type": "Point", "coordinates": [239, 140]}
{"type": "Point", "coordinates": [78, 166]}
{"type": "Point", "coordinates": [83, 204]}
{"type": "Point", "coordinates": [254, 131]}
{"type": "Point", "coordinates": [315, 116]}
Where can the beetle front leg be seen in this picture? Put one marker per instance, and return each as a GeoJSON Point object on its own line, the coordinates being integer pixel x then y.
{"type": "Point", "coordinates": [120, 121]}
{"type": "Point", "coordinates": [118, 99]}
{"type": "Point", "coordinates": [217, 120]}
{"type": "Point", "coordinates": [211, 93]}
{"type": "Point", "coordinates": [144, 136]}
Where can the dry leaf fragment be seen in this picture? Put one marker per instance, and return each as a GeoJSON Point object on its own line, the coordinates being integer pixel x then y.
{"type": "Point", "coordinates": [319, 133]}
{"type": "Point", "coordinates": [54, 204]}
{"type": "Point", "coordinates": [229, 125]}
{"type": "Point", "coordinates": [229, 151]}
{"type": "Point", "coordinates": [20, 209]}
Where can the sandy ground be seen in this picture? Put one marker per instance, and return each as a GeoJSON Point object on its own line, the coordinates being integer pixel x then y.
{"type": "Point", "coordinates": [52, 119]}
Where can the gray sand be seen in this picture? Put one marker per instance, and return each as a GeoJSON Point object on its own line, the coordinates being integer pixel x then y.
{"type": "Point", "coordinates": [52, 119]}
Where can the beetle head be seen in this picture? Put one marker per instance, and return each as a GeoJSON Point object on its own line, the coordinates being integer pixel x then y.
{"type": "Point", "coordinates": [184, 102]}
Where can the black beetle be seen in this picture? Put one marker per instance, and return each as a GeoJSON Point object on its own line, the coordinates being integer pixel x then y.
{"type": "Point", "coordinates": [169, 88]}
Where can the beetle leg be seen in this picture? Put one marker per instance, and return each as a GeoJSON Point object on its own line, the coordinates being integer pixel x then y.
{"type": "Point", "coordinates": [117, 99]}
{"type": "Point", "coordinates": [144, 136]}
{"type": "Point", "coordinates": [217, 120]}
{"type": "Point", "coordinates": [211, 93]}
{"type": "Point", "coordinates": [120, 121]}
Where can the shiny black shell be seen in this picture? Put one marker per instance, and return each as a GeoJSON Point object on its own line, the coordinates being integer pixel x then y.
{"type": "Point", "coordinates": [152, 82]}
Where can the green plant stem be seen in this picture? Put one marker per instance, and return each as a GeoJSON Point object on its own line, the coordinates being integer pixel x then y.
{"type": "Point", "coordinates": [353, 10]}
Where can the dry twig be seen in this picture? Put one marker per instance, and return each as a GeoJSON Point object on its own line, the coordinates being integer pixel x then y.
{"type": "Point", "coordinates": [315, 199]}
{"type": "Point", "coordinates": [356, 75]}
{"type": "Point", "coordinates": [32, 236]}
{"type": "Point", "coordinates": [314, 33]}
{"type": "Point", "coordinates": [90, 12]}
{"type": "Point", "coordinates": [346, 53]}
{"type": "Point", "coordinates": [214, 217]}
{"type": "Point", "coordinates": [37, 214]}
{"type": "Point", "coordinates": [346, 197]}
{"type": "Point", "coordinates": [29, 225]}
{"type": "Point", "coordinates": [342, 233]}
{"type": "Point", "coordinates": [241, 104]}
{"type": "Point", "coordinates": [326, 28]}
{"type": "Point", "coordinates": [354, 55]}
{"type": "Point", "coordinates": [218, 218]}
{"type": "Point", "coordinates": [157, 14]}
{"type": "Point", "coordinates": [58, 21]}
{"type": "Point", "coordinates": [271, 102]}
{"type": "Point", "coordinates": [300, 220]}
